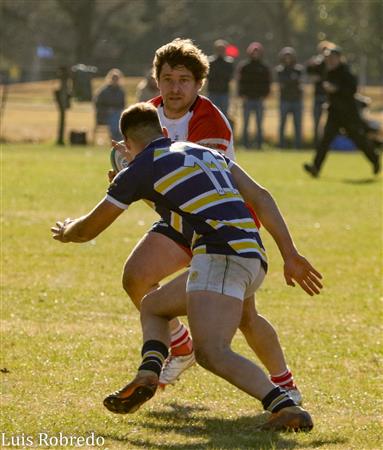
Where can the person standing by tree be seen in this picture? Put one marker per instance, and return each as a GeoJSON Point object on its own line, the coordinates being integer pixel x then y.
{"type": "Point", "coordinates": [254, 82]}
{"type": "Point", "coordinates": [289, 75]}
{"type": "Point", "coordinates": [341, 85]}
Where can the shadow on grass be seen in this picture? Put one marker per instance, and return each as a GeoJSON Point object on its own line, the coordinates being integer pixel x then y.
{"type": "Point", "coordinates": [210, 433]}
{"type": "Point", "coordinates": [360, 181]}
{"type": "Point", "coordinates": [352, 181]}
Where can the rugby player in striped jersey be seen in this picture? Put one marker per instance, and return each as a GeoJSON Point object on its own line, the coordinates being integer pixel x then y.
{"type": "Point", "coordinates": [228, 259]}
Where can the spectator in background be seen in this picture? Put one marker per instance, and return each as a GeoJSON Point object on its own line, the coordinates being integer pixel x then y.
{"type": "Point", "coordinates": [110, 102]}
{"type": "Point", "coordinates": [289, 76]}
{"type": "Point", "coordinates": [254, 82]}
{"type": "Point", "coordinates": [316, 69]}
{"type": "Point", "coordinates": [220, 74]}
{"type": "Point", "coordinates": [147, 88]}
{"type": "Point", "coordinates": [341, 85]}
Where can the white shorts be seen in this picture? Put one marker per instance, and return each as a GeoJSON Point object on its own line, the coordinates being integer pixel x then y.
{"type": "Point", "coordinates": [230, 275]}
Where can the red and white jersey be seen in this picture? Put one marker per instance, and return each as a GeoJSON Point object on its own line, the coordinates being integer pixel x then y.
{"type": "Point", "coordinates": [203, 124]}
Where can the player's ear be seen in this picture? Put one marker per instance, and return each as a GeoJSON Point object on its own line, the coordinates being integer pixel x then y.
{"type": "Point", "coordinates": [165, 132]}
{"type": "Point", "coordinates": [127, 142]}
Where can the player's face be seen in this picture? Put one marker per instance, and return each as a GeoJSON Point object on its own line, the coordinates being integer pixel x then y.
{"type": "Point", "coordinates": [178, 89]}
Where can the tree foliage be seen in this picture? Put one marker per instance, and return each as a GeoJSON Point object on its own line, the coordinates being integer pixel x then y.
{"type": "Point", "coordinates": [125, 33]}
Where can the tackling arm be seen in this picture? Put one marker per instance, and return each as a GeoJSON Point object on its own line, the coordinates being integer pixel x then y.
{"type": "Point", "coordinates": [89, 226]}
{"type": "Point", "coordinates": [296, 266]}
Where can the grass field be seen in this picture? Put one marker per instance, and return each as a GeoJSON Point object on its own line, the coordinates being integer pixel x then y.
{"type": "Point", "coordinates": [69, 335]}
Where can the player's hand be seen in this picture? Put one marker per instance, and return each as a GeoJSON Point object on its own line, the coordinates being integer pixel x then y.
{"type": "Point", "coordinates": [297, 268]}
{"type": "Point", "coordinates": [58, 230]}
{"type": "Point", "coordinates": [121, 148]}
{"type": "Point", "coordinates": [111, 174]}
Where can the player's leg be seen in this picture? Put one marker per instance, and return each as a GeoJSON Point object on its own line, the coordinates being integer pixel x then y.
{"type": "Point", "coordinates": [154, 258]}
{"type": "Point", "coordinates": [260, 334]}
{"type": "Point", "coordinates": [162, 305]}
{"type": "Point", "coordinates": [214, 315]}
{"type": "Point", "coordinates": [263, 339]}
{"type": "Point", "coordinates": [214, 319]}
{"type": "Point", "coordinates": [157, 308]}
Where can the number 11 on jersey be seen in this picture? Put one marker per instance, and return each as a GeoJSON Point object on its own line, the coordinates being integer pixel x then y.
{"type": "Point", "coordinates": [205, 165]}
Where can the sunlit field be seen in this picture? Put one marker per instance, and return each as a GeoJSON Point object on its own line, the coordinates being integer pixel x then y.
{"type": "Point", "coordinates": [31, 115]}
{"type": "Point", "coordinates": [70, 335]}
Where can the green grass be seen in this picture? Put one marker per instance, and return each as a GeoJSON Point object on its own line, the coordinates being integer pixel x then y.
{"type": "Point", "coordinates": [70, 335]}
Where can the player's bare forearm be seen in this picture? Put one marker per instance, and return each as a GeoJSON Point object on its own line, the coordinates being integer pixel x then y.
{"type": "Point", "coordinates": [86, 227]}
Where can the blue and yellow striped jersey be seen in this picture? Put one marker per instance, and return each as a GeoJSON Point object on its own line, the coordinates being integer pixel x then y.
{"type": "Point", "coordinates": [194, 182]}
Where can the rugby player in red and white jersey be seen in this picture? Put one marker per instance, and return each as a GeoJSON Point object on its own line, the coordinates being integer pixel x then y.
{"type": "Point", "coordinates": [180, 69]}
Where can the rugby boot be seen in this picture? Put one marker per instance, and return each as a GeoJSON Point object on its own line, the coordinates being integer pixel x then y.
{"type": "Point", "coordinates": [130, 398]}
{"type": "Point", "coordinates": [173, 367]}
{"type": "Point", "coordinates": [291, 418]}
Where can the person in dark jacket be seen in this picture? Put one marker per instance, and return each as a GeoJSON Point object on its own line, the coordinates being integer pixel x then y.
{"type": "Point", "coordinates": [289, 76]}
{"type": "Point", "coordinates": [316, 70]}
{"type": "Point", "coordinates": [110, 102]}
{"type": "Point", "coordinates": [220, 74]}
{"type": "Point", "coordinates": [341, 85]}
{"type": "Point", "coordinates": [254, 81]}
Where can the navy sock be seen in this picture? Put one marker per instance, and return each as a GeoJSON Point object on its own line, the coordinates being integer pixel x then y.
{"type": "Point", "coordinates": [277, 399]}
{"type": "Point", "coordinates": [153, 354]}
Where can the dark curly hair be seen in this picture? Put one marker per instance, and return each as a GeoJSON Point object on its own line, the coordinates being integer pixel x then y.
{"type": "Point", "coordinates": [181, 52]}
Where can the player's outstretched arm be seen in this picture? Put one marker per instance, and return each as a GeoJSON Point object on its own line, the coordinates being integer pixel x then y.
{"type": "Point", "coordinates": [296, 267]}
{"type": "Point", "coordinates": [89, 226]}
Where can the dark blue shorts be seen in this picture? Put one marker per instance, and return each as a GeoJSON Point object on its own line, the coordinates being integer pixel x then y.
{"type": "Point", "coordinates": [182, 240]}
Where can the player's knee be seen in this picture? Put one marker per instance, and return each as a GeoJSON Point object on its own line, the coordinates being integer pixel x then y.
{"type": "Point", "coordinates": [136, 281]}
{"type": "Point", "coordinates": [129, 280]}
{"type": "Point", "coordinates": [209, 356]}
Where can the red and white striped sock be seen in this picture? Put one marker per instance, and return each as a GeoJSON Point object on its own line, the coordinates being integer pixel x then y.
{"type": "Point", "coordinates": [284, 379]}
{"type": "Point", "coordinates": [180, 341]}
